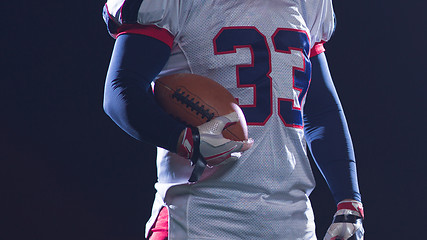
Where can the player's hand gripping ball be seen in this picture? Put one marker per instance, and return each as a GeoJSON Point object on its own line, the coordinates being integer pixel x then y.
{"type": "Point", "coordinates": [217, 127]}
{"type": "Point", "coordinates": [347, 223]}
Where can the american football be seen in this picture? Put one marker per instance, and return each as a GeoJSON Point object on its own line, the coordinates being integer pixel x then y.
{"type": "Point", "coordinates": [195, 99]}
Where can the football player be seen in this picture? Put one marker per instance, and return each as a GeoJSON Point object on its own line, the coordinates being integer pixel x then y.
{"type": "Point", "coordinates": [270, 56]}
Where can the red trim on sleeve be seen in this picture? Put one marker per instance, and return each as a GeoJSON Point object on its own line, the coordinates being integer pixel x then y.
{"type": "Point", "coordinates": [317, 49]}
{"type": "Point", "coordinates": [148, 30]}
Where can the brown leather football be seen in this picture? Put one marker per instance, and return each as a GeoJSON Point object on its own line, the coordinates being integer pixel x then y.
{"type": "Point", "coordinates": [195, 99]}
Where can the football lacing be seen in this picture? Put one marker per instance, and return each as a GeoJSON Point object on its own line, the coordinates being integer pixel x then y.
{"type": "Point", "coordinates": [181, 96]}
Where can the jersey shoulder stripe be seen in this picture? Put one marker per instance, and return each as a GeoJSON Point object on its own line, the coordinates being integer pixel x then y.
{"type": "Point", "coordinates": [147, 30]}
{"type": "Point", "coordinates": [161, 13]}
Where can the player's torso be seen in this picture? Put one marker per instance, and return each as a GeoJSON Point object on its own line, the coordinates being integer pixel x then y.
{"type": "Point", "coordinates": [258, 50]}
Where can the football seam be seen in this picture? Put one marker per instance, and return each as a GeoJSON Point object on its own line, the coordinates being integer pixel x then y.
{"type": "Point", "coordinates": [184, 98]}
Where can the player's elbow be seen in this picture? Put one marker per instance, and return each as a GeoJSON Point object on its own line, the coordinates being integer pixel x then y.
{"type": "Point", "coordinates": [113, 96]}
{"type": "Point", "coordinates": [113, 109]}
{"type": "Point", "coordinates": [109, 104]}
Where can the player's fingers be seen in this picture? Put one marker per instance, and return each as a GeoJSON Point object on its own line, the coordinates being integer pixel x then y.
{"type": "Point", "coordinates": [236, 148]}
{"type": "Point", "coordinates": [246, 145]}
{"type": "Point", "coordinates": [328, 236]}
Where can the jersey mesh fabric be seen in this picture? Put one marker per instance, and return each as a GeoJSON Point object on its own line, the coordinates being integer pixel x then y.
{"type": "Point", "coordinates": [264, 195]}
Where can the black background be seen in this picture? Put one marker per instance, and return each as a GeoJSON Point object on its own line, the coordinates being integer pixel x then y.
{"type": "Point", "coordinates": [67, 172]}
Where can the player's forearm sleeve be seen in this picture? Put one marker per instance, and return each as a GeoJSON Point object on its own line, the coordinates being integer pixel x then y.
{"type": "Point", "coordinates": [327, 133]}
{"type": "Point", "coordinates": [128, 97]}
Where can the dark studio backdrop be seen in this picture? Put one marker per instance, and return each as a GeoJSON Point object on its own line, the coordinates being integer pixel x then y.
{"type": "Point", "coordinates": [68, 172]}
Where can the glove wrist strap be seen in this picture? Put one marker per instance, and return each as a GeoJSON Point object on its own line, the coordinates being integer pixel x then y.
{"type": "Point", "coordinates": [351, 205]}
{"type": "Point", "coordinates": [197, 159]}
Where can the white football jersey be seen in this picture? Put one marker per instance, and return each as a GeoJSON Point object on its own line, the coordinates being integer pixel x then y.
{"type": "Point", "coordinates": [259, 51]}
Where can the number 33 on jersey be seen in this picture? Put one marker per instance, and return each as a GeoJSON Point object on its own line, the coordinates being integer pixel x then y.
{"type": "Point", "coordinates": [256, 76]}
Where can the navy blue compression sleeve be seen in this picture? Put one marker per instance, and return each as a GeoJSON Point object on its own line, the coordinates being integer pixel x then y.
{"type": "Point", "coordinates": [327, 133]}
{"type": "Point", "coordinates": [128, 97]}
